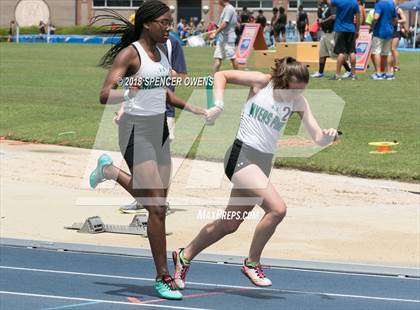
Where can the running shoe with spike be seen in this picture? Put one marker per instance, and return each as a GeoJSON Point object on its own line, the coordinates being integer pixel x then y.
{"type": "Point", "coordinates": [166, 288]}
{"type": "Point", "coordinates": [97, 175]}
{"type": "Point", "coordinates": [256, 275]}
{"type": "Point", "coordinates": [181, 269]}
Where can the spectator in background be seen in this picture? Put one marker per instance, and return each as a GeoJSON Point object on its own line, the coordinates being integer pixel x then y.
{"type": "Point", "coordinates": [369, 17]}
{"type": "Point", "coordinates": [191, 27]}
{"type": "Point", "coordinates": [211, 29]}
{"type": "Point", "coordinates": [132, 18]}
{"type": "Point", "coordinates": [268, 34]}
{"type": "Point", "coordinates": [244, 15]}
{"type": "Point", "coordinates": [368, 22]}
{"type": "Point", "coordinates": [313, 30]}
{"type": "Point", "coordinates": [291, 32]}
{"type": "Point", "coordinates": [279, 26]}
{"type": "Point", "coordinates": [362, 10]}
{"type": "Point", "coordinates": [177, 61]}
{"type": "Point", "coordinates": [346, 34]}
{"type": "Point", "coordinates": [52, 28]}
{"type": "Point", "coordinates": [201, 28]}
{"type": "Point", "coordinates": [251, 17]}
{"type": "Point", "coordinates": [326, 16]}
{"type": "Point", "coordinates": [399, 32]}
{"type": "Point", "coordinates": [12, 31]}
{"type": "Point", "coordinates": [275, 16]}
{"type": "Point", "coordinates": [41, 28]}
{"type": "Point", "coordinates": [225, 46]}
{"type": "Point", "coordinates": [243, 19]}
{"type": "Point", "coordinates": [182, 28]}
{"type": "Point", "coordinates": [383, 29]}
{"type": "Point", "coordinates": [410, 35]}
{"type": "Point", "coordinates": [417, 43]}
{"type": "Point", "coordinates": [302, 22]}
{"type": "Point", "coordinates": [261, 19]}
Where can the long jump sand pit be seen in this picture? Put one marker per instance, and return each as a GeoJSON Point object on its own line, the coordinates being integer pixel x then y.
{"type": "Point", "coordinates": [330, 217]}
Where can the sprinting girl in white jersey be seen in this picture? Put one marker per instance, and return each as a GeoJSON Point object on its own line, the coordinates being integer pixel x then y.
{"type": "Point", "coordinates": [143, 131]}
{"type": "Point", "coordinates": [248, 162]}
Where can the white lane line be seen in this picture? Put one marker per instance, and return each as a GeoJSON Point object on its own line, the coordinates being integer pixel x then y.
{"type": "Point", "coordinates": [78, 273]}
{"type": "Point", "coordinates": [297, 269]}
{"type": "Point", "coordinates": [98, 300]}
{"type": "Point", "coordinates": [347, 273]}
{"type": "Point", "coordinates": [72, 305]}
{"type": "Point", "coordinates": [216, 285]}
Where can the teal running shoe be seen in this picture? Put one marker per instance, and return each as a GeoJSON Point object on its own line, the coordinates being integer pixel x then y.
{"type": "Point", "coordinates": [97, 175]}
{"type": "Point", "coordinates": [166, 288]}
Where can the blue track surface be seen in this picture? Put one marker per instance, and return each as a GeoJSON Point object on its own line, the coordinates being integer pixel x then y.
{"type": "Point", "coordinates": [46, 279]}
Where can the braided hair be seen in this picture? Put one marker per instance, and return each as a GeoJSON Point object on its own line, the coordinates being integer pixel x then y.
{"type": "Point", "coordinates": [287, 70]}
{"type": "Point", "coordinates": [119, 25]}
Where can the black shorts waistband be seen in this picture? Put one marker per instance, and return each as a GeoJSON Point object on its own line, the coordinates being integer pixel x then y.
{"type": "Point", "coordinates": [251, 149]}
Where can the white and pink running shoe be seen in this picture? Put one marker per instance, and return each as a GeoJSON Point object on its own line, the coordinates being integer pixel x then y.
{"type": "Point", "coordinates": [256, 275]}
{"type": "Point", "coordinates": [181, 269]}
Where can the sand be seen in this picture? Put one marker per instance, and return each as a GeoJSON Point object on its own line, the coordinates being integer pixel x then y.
{"type": "Point", "coordinates": [330, 217]}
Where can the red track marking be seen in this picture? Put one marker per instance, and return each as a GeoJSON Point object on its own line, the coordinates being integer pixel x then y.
{"type": "Point", "coordinates": [137, 301]}
{"type": "Point", "coordinates": [134, 300]}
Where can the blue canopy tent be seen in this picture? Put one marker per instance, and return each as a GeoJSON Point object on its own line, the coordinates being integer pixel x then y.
{"type": "Point", "coordinates": [413, 5]}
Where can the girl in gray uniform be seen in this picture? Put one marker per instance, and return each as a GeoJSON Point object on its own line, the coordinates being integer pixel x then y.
{"type": "Point", "coordinates": [143, 130]}
{"type": "Point", "coordinates": [272, 99]}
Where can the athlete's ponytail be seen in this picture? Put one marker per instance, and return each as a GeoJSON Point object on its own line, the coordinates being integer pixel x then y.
{"type": "Point", "coordinates": [288, 70]}
{"type": "Point", "coordinates": [119, 25]}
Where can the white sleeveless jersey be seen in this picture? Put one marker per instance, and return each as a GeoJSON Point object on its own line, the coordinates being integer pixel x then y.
{"type": "Point", "coordinates": [262, 120]}
{"type": "Point", "coordinates": [151, 101]}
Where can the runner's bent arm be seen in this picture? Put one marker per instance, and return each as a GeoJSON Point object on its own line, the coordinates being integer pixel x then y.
{"type": "Point", "coordinates": [319, 136]}
{"type": "Point", "coordinates": [122, 65]}
{"type": "Point", "coordinates": [255, 80]}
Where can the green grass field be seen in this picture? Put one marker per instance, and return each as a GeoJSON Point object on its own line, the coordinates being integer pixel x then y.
{"type": "Point", "coordinates": [46, 90]}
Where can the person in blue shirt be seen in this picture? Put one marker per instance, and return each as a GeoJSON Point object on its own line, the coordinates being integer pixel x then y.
{"type": "Point", "coordinates": [326, 17]}
{"type": "Point", "coordinates": [384, 19]}
{"type": "Point", "coordinates": [177, 61]}
{"type": "Point", "coordinates": [346, 33]}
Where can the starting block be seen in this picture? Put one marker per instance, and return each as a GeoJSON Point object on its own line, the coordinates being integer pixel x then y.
{"type": "Point", "coordinates": [95, 225]}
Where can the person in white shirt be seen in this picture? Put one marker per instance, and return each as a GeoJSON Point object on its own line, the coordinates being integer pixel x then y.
{"type": "Point", "coordinates": [226, 36]}
{"type": "Point", "coordinates": [272, 100]}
